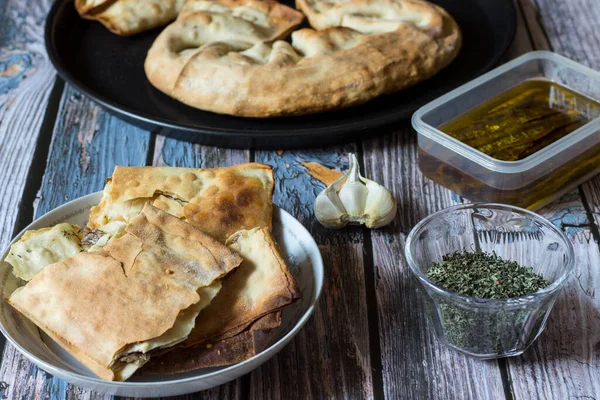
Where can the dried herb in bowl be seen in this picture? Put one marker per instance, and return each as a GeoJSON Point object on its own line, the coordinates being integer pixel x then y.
{"type": "Point", "coordinates": [478, 329]}
{"type": "Point", "coordinates": [485, 276]}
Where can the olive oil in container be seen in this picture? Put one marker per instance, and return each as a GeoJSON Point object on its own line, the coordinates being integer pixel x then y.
{"type": "Point", "coordinates": [522, 134]}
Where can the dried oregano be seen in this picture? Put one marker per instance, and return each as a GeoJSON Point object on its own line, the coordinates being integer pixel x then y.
{"type": "Point", "coordinates": [484, 275]}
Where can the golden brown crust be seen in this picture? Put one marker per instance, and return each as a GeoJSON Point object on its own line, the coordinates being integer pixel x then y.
{"type": "Point", "coordinates": [274, 20]}
{"type": "Point", "coordinates": [262, 284]}
{"type": "Point", "coordinates": [366, 15]}
{"type": "Point", "coordinates": [128, 17]}
{"type": "Point", "coordinates": [241, 73]}
{"type": "Point", "coordinates": [74, 300]}
{"type": "Point", "coordinates": [218, 201]}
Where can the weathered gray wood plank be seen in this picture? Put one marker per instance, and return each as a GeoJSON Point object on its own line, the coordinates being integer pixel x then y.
{"type": "Point", "coordinates": [568, 27]}
{"type": "Point", "coordinates": [406, 342]}
{"type": "Point", "coordinates": [415, 366]}
{"type": "Point", "coordinates": [564, 363]}
{"type": "Point", "coordinates": [330, 357]}
{"type": "Point", "coordinates": [26, 79]}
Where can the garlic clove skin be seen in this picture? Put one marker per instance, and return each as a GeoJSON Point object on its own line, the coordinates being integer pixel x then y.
{"type": "Point", "coordinates": [380, 208]}
{"type": "Point", "coordinates": [329, 210]}
{"type": "Point", "coordinates": [353, 199]}
{"type": "Point", "coordinates": [353, 196]}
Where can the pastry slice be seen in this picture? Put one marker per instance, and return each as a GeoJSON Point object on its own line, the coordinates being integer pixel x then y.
{"type": "Point", "coordinates": [258, 289]}
{"type": "Point", "coordinates": [128, 17]}
{"type": "Point", "coordinates": [262, 284]}
{"type": "Point", "coordinates": [111, 309]}
{"type": "Point", "coordinates": [39, 248]}
{"type": "Point", "coordinates": [372, 16]}
{"type": "Point", "coordinates": [218, 201]}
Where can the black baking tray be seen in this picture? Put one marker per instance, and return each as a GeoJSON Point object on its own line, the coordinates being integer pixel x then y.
{"type": "Point", "coordinates": [109, 69]}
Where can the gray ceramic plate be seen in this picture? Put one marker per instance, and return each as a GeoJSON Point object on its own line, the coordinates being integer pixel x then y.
{"type": "Point", "coordinates": [298, 248]}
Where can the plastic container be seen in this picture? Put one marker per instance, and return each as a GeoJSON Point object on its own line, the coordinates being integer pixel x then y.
{"type": "Point", "coordinates": [489, 328]}
{"type": "Point", "coordinates": [533, 181]}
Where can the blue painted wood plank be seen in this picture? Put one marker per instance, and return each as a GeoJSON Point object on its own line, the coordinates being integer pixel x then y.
{"type": "Point", "coordinates": [87, 144]}
{"type": "Point", "coordinates": [175, 153]}
{"type": "Point", "coordinates": [295, 190]}
{"type": "Point", "coordinates": [26, 80]}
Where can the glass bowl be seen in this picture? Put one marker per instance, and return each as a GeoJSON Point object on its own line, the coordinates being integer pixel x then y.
{"type": "Point", "coordinates": [489, 328]}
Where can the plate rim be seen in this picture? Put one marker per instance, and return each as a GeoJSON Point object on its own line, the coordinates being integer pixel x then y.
{"type": "Point", "coordinates": [273, 348]}
{"type": "Point", "coordinates": [227, 133]}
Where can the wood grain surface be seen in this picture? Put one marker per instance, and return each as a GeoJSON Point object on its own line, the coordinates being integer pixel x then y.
{"type": "Point", "coordinates": [414, 365]}
{"type": "Point", "coordinates": [87, 143]}
{"type": "Point", "coordinates": [26, 80]}
{"type": "Point", "coordinates": [565, 361]}
{"type": "Point", "coordinates": [331, 352]}
{"type": "Point", "coordinates": [368, 337]}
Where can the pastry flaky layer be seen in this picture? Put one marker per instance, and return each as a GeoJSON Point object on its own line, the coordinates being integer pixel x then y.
{"type": "Point", "coordinates": [244, 311]}
{"type": "Point", "coordinates": [110, 309]}
{"type": "Point", "coordinates": [128, 17]}
{"type": "Point", "coordinates": [224, 55]}
{"type": "Point", "coordinates": [218, 201]}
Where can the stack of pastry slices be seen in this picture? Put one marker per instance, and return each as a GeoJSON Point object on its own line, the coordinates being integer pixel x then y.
{"type": "Point", "coordinates": [176, 270]}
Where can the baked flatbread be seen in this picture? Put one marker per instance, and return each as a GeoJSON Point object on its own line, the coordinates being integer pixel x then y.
{"type": "Point", "coordinates": [110, 309]}
{"type": "Point", "coordinates": [372, 16]}
{"type": "Point", "coordinates": [39, 248]}
{"type": "Point", "coordinates": [357, 50]}
{"type": "Point", "coordinates": [128, 17]}
{"type": "Point", "coordinates": [256, 291]}
{"type": "Point", "coordinates": [218, 201]}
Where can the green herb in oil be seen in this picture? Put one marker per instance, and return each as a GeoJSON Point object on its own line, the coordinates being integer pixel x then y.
{"type": "Point", "coordinates": [485, 276]}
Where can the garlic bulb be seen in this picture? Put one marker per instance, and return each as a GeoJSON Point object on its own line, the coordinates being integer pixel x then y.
{"type": "Point", "coordinates": [355, 200]}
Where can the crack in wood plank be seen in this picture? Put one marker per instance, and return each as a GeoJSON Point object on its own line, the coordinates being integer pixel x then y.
{"type": "Point", "coordinates": [87, 128]}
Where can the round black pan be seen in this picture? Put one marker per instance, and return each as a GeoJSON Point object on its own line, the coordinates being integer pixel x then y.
{"type": "Point", "coordinates": [109, 69]}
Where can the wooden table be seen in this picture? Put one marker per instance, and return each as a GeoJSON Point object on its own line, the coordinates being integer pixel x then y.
{"type": "Point", "coordinates": [368, 337]}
